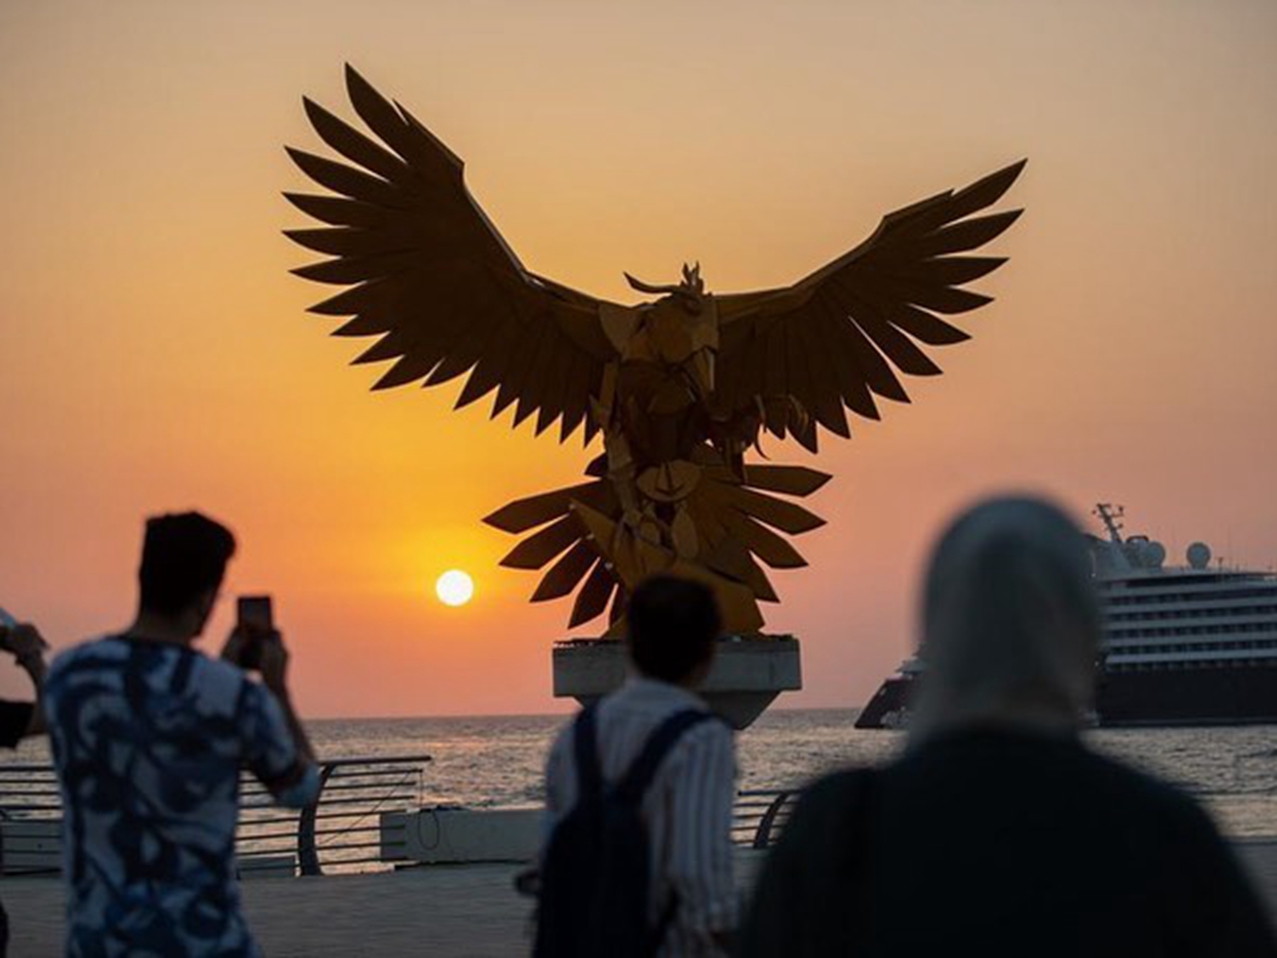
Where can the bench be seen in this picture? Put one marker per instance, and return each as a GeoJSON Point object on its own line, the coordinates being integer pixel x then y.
{"type": "Point", "coordinates": [274, 865]}
{"type": "Point", "coordinates": [34, 847]}
{"type": "Point", "coordinates": [31, 846]}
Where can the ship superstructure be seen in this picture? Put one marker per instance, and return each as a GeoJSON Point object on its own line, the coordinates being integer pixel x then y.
{"type": "Point", "coordinates": [1182, 645]}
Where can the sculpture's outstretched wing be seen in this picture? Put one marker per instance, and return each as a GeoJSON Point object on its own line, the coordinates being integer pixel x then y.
{"type": "Point", "coordinates": [799, 354]}
{"type": "Point", "coordinates": [430, 275]}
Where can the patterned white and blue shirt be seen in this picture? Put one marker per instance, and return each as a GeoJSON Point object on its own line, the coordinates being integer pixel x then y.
{"type": "Point", "coordinates": [149, 739]}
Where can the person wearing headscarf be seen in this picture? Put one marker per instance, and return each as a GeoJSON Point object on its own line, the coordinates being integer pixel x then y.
{"type": "Point", "coordinates": [998, 832]}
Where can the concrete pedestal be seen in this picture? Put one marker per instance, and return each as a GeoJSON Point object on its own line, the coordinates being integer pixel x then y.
{"type": "Point", "coordinates": [746, 677]}
{"type": "Point", "coordinates": [456, 836]}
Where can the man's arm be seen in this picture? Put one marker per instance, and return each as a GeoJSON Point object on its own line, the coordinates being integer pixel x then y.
{"type": "Point", "coordinates": [305, 754]}
{"type": "Point", "coordinates": [277, 749]}
{"type": "Point", "coordinates": [556, 765]}
{"type": "Point", "coordinates": [701, 858]}
{"type": "Point", "coordinates": [27, 646]}
{"type": "Point", "coordinates": [295, 785]}
{"type": "Point", "coordinates": [36, 669]}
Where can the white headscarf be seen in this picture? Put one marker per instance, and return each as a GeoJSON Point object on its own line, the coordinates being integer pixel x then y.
{"type": "Point", "coordinates": [1010, 620]}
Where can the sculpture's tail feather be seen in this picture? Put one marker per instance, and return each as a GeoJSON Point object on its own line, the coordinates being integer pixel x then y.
{"type": "Point", "coordinates": [631, 559]}
{"type": "Point", "coordinates": [724, 524]}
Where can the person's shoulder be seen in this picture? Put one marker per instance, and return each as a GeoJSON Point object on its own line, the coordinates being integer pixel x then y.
{"type": "Point", "coordinates": [837, 789]}
{"type": "Point", "coordinates": [220, 686]}
{"type": "Point", "coordinates": [218, 670]}
{"type": "Point", "coordinates": [564, 729]}
{"type": "Point", "coordinates": [712, 729]}
{"type": "Point", "coordinates": [93, 654]}
{"type": "Point", "coordinates": [1143, 803]}
{"type": "Point", "coordinates": [565, 734]}
{"type": "Point", "coordinates": [707, 741]}
{"type": "Point", "coordinates": [557, 757]}
{"type": "Point", "coordinates": [823, 806]}
{"type": "Point", "coordinates": [1115, 777]}
{"type": "Point", "coordinates": [562, 735]}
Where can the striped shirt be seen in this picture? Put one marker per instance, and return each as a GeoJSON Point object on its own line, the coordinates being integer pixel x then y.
{"type": "Point", "coordinates": [687, 809]}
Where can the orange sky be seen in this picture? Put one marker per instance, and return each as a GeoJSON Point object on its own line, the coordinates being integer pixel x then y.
{"type": "Point", "coordinates": [156, 354]}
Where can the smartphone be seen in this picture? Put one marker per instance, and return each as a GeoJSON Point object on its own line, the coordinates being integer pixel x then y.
{"type": "Point", "coordinates": [256, 616]}
{"type": "Point", "coordinates": [256, 612]}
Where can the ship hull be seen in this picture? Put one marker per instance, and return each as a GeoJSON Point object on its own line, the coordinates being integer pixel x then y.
{"type": "Point", "coordinates": [1214, 695]}
{"type": "Point", "coordinates": [889, 705]}
{"type": "Point", "coordinates": [1211, 695]}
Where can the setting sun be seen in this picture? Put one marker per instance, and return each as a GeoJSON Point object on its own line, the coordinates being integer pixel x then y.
{"type": "Point", "coordinates": [454, 587]}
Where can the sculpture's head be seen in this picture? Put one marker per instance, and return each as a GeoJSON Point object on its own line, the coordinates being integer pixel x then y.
{"type": "Point", "coordinates": [690, 292]}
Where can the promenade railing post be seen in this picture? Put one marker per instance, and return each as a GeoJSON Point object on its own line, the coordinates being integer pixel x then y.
{"type": "Point", "coordinates": [307, 850]}
{"type": "Point", "coordinates": [763, 837]}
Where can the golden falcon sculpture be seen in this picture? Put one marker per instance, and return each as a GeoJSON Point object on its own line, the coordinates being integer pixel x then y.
{"type": "Point", "coordinates": [680, 388]}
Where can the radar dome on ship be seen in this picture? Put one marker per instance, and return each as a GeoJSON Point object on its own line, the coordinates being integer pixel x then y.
{"type": "Point", "coordinates": [1199, 555]}
{"type": "Point", "coordinates": [1153, 554]}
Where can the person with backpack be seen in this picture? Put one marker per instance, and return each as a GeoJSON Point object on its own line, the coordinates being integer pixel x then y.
{"type": "Point", "coordinates": [639, 795]}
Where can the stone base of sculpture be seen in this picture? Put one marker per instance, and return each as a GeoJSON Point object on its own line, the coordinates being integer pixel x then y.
{"type": "Point", "coordinates": [746, 677]}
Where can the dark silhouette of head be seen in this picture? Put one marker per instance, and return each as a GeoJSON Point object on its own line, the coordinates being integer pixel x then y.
{"type": "Point", "coordinates": [672, 627]}
{"type": "Point", "coordinates": [1011, 620]}
{"type": "Point", "coordinates": [184, 559]}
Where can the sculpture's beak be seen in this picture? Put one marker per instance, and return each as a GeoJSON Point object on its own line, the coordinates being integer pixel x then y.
{"type": "Point", "coordinates": [643, 287]}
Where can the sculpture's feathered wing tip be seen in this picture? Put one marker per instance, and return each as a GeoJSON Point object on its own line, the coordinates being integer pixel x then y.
{"type": "Point", "coordinates": [839, 338]}
{"type": "Point", "coordinates": [429, 275]}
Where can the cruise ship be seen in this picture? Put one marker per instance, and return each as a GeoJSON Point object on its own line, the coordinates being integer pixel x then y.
{"type": "Point", "coordinates": [1182, 645]}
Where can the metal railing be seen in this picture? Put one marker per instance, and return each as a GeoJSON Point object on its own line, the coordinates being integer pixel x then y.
{"type": "Point", "coordinates": [29, 792]}
{"type": "Point", "coordinates": [339, 832]}
{"type": "Point", "coordinates": [29, 797]}
{"type": "Point", "coordinates": [760, 815]}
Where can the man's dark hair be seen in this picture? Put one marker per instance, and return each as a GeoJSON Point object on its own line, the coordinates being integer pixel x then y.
{"type": "Point", "coordinates": [673, 624]}
{"type": "Point", "coordinates": [183, 556]}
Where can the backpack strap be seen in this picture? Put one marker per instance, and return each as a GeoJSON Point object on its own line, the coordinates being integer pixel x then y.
{"type": "Point", "coordinates": [636, 781]}
{"type": "Point", "coordinates": [585, 748]}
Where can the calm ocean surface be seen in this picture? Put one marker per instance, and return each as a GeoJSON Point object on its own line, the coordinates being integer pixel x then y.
{"type": "Point", "coordinates": [494, 761]}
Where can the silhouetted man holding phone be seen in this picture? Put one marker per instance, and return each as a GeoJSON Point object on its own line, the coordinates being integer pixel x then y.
{"type": "Point", "coordinates": [149, 736]}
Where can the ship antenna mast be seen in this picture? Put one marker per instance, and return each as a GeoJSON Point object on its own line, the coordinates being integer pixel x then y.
{"type": "Point", "coordinates": [1111, 516]}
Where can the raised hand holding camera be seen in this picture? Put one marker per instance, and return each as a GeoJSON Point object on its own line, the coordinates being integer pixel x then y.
{"type": "Point", "coordinates": [23, 641]}
{"type": "Point", "coordinates": [255, 644]}
{"type": "Point", "coordinates": [254, 630]}
{"type": "Point", "coordinates": [272, 663]}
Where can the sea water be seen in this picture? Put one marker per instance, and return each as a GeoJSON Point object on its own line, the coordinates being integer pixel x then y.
{"type": "Point", "coordinates": [497, 761]}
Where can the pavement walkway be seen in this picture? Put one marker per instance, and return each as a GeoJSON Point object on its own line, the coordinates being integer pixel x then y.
{"type": "Point", "coordinates": [444, 910]}
{"type": "Point", "coordinates": [455, 911]}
